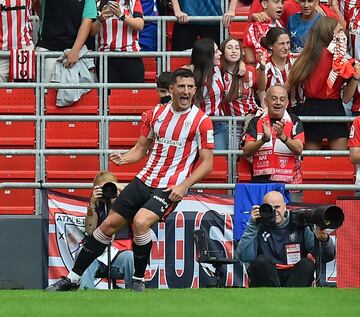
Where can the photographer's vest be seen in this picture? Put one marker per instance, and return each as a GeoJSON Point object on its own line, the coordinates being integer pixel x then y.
{"type": "Point", "coordinates": [285, 246]}
{"type": "Point", "coordinates": [274, 157]}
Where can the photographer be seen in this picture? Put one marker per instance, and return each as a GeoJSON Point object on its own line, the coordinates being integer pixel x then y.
{"type": "Point", "coordinates": [122, 256]}
{"type": "Point", "coordinates": [277, 249]}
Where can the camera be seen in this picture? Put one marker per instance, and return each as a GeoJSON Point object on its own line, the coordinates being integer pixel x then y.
{"type": "Point", "coordinates": [109, 190]}
{"type": "Point", "coordinates": [267, 214]}
{"type": "Point", "coordinates": [325, 217]}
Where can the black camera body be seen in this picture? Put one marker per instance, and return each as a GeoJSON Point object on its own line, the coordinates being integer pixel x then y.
{"type": "Point", "coordinates": [267, 214]}
{"type": "Point", "coordinates": [325, 217]}
{"type": "Point", "coordinates": [109, 190]}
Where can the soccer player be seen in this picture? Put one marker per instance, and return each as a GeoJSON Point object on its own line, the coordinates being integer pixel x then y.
{"type": "Point", "coordinates": [176, 135]}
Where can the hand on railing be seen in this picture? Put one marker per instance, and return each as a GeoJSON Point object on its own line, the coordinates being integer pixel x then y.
{"type": "Point", "coordinates": [228, 17]}
{"type": "Point", "coordinates": [182, 17]}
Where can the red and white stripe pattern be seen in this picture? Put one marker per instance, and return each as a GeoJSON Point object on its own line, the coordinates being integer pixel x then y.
{"type": "Point", "coordinates": [354, 32]}
{"type": "Point", "coordinates": [255, 32]}
{"type": "Point", "coordinates": [177, 138]}
{"type": "Point", "coordinates": [116, 35]}
{"type": "Point", "coordinates": [213, 95]}
{"type": "Point", "coordinates": [63, 212]}
{"type": "Point", "coordinates": [22, 65]}
{"type": "Point", "coordinates": [245, 102]}
{"type": "Point", "coordinates": [275, 76]}
{"type": "Point", "coordinates": [15, 32]}
{"type": "Point", "coordinates": [346, 6]}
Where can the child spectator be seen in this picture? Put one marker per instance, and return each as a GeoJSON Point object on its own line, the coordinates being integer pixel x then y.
{"type": "Point", "coordinates": [162, 84]}
{"type": "Point", "coordinates": [300, 24]}
{"type": "Point", "coordinates": [256, 30]}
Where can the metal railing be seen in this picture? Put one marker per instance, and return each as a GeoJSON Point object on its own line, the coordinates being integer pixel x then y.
{"type": "Point", "coordinates": [163, 58]}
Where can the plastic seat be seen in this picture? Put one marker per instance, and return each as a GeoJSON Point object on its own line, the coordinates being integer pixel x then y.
{"type": "Point", "coordinates": [88, 104]}
{"type": "Point", "coordinates": [327, 168]}
{"type": "Point", "coordinates": [150, 66]}
{"type": "Point", "coordinates": [123, 135]}
{"type": "Point", "coordinates": [239, 29]}
{"type": "Point", "coordinates": [132, 101]}
{"type": "Point", "coordinates": [72, 134]}
{"type": "Point", "coordinates": [78, 168]}
{"type": "Point", "coordinates": [178, 62]}
{"type": "Point", "coordinates": [17, 134]}
{"type": "Point", "coordinates": [17, 101]}
{"type": "Point", "coordinates": [126, 173]}
{"type": "Point", "coordinates": [17, 168]}
{"type": "Point", "coordinates": [169, 32]}
{"type": "Point", "coordinates": [244, 169]}
{"type": "Point", "coordinates": [218, 175]}
{"type": "Point", "coordinates": [16, 201]}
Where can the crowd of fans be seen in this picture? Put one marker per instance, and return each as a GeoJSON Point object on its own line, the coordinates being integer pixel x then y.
{"type": "Point", "coordinates": [309, 47]}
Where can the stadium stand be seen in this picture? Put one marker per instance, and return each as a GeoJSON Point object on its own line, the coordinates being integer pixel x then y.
{"type": "Point", "coordinates": [81, 134]}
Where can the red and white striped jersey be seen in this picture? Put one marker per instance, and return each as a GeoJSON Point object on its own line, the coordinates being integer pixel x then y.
{"type": "Point", "coordinates": [15, 26]}
{"type": "Point", "coordinates": [116, 35]}
{"type": "Point", "coordinates": [212, 96]}
{"type": "Point", "coordinates": [255, 32]}
{"type": "Point", "coordinates": [275, 76]}
{"type": "Point", "coordinates": [346, 6]}
{"type": "Point", "coordinates": [245, 102]}
{"type": "Point", "coordinates": [354, 32]}
{"type": "Point", "coordinates": [177, 138]}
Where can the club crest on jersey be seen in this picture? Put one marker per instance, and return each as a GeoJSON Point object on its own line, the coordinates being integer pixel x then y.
{"type": "Point", "coordinates": [283, 161]}
{"type": "Point", "coordinates": [292, 236]}
{"type": "Point", "coordinates": [69, 235]}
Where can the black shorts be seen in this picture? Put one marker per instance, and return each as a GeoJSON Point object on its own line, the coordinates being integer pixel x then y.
{"type": "Point", "coordinates": [318, 131]}
{"type": "Point", "coordinates": [137, 195]}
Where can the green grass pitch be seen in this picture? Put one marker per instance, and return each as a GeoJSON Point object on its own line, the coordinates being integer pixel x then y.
{"type": "Point", "coordinates": [267, 302]}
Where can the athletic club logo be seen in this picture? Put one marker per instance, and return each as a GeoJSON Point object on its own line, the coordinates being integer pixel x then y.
{"type": "Point", "coordinates": [283, 161]}
{"type": "Point", "coordinates": [292, 236]}
{"type": "Point", "coordinates": [70, 235]}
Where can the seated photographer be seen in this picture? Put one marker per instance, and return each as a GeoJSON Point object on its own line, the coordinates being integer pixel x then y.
{"type": "Point", "coordinates": [277, 248]}
{"type": "Point", "coordinates": [121, 254]}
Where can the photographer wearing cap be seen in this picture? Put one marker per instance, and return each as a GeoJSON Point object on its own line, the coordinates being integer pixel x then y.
{"type": "Point", "coordinates": [277, 248]}
{"type": "Point", "coordinates": [121, 255]}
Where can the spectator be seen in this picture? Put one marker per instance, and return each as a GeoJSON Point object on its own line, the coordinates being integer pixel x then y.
{"type": "Point", "coordinates": [240, 91]}
{"type": "Point", "coordinates": [15, 32]}
{"type": "Point", "coordinates": [351, 11]}
{"type": "Point", "coordinates": [205, 62]}
{"type": "Point", "coordinates": [163, 87]}
{"type": "Point", "coordinates": [117, 30]}
{"type": "Point", "coordinates": [273, 10]}
{"type": "Point", "coordinates": [275, 68]}
{"type": "Point", "coordinates": [314, 69]}
{"type": "Point", "coordinates": [121, 255]}
{"type": "Point", "coordinates": [354, 147]}
{"type": "Point", "coordinates": [185, 33]}
{"type": "Point", "coordinates": [300, 24]}
{"type": "Point", "coordinates": [277, 251]}
{"type": "Point", "coordinates": [148, 35]}
{"type": "Point", "coordinates": [162, 183]}
{"type": "Point", "coordinates": [65, 26]}
{"type": "Point", "coordinates": [274, 140]}
{"type": "Point", "coordinates": [240, 85]}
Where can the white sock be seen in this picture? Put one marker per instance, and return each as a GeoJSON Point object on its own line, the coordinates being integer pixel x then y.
{"type": "Point", "coordinates": [138, 278]}
{"type": "Point", "coordinates": [74, 278]}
